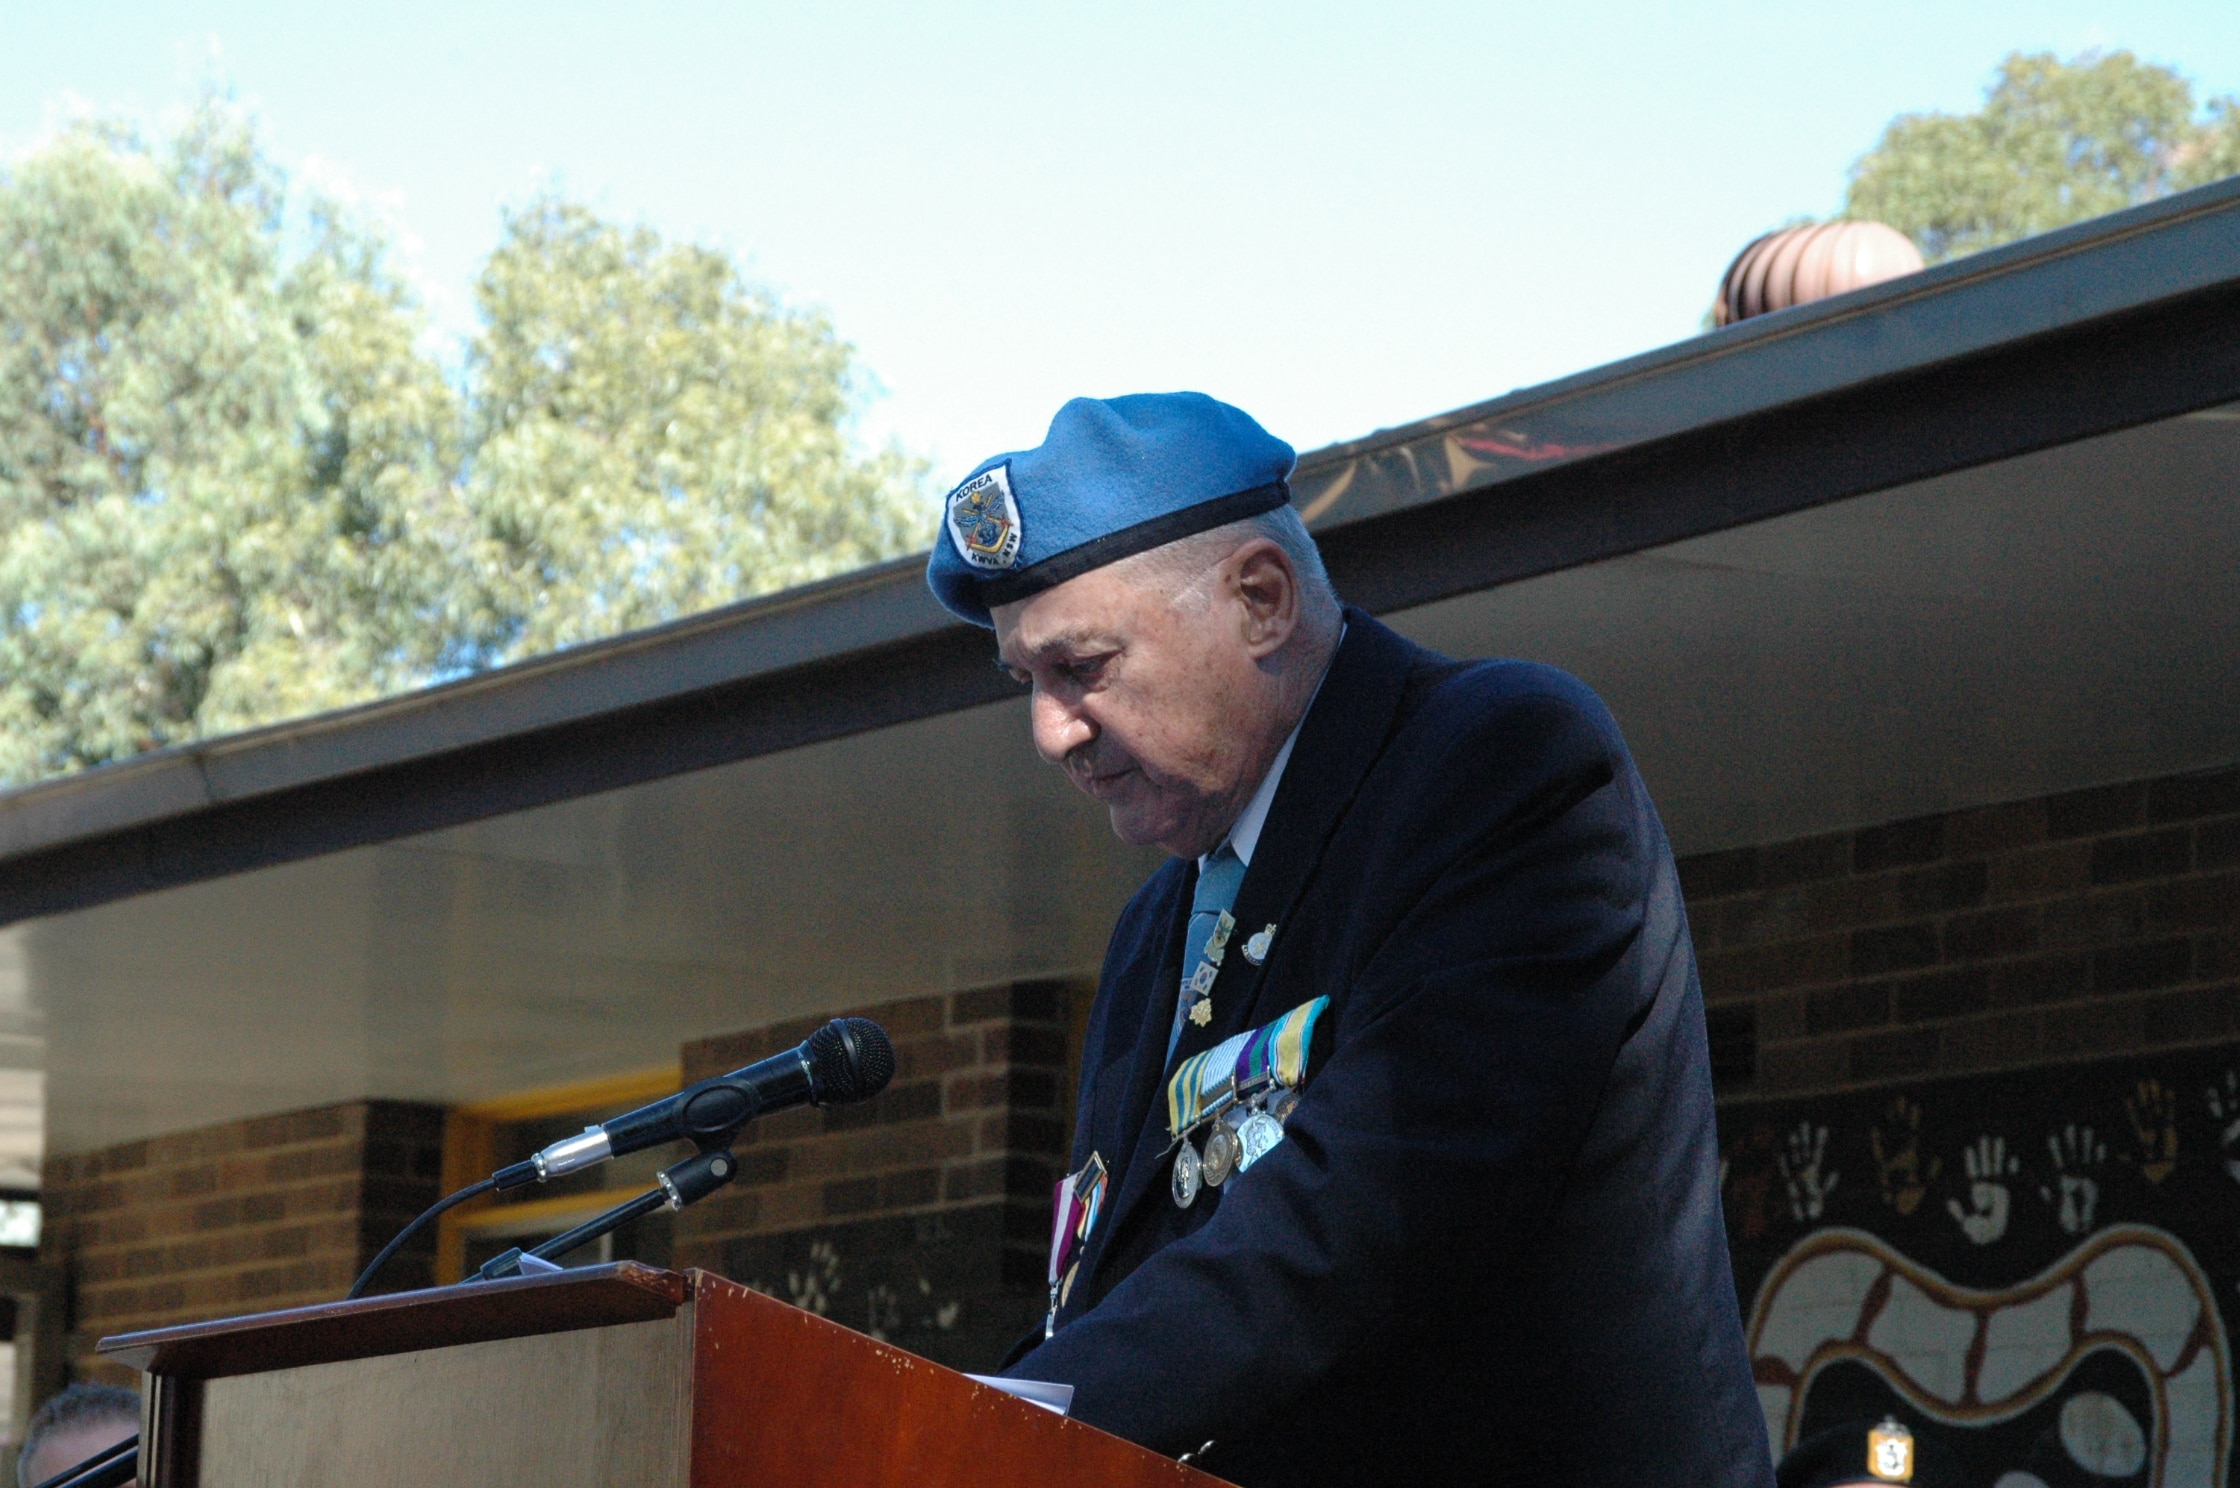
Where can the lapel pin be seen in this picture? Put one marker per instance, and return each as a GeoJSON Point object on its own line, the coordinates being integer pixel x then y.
{"type": "Point", "coordinates": [1256, 949]}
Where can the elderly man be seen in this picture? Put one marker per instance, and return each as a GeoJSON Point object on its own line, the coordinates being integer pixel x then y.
{"type": "Point", "coordinates": [81, 1422]}
{"type": "Point", "coordinates": [1395, 1159]}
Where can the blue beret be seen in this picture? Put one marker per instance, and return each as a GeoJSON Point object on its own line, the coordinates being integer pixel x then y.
{"type": "Point", "coordinates": [1114, 477]}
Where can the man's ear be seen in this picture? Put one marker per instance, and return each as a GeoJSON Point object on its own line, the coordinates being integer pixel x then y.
{"type": "Point", "coordinates": [1267, 589]}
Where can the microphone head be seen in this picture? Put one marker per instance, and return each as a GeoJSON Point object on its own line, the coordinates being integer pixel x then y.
{"type": "Point", "coordinates": [852, 1059]}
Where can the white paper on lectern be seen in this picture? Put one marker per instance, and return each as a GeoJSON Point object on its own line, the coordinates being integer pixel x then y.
{"type": "Point", "coordinates": [1049, 1396]}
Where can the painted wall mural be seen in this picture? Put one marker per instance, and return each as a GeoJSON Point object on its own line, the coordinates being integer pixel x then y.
{"type": "Point", "coordinates": [2040, 1268]}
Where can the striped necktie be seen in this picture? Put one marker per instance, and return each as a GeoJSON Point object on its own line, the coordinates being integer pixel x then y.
{"type": "Point", "coordinates": [1217, 890]}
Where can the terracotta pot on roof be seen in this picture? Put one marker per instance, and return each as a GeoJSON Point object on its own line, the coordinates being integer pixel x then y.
{"type": "Point", "coordinates": [1798, 264]}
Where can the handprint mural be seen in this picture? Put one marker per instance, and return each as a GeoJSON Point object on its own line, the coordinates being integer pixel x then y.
{"type": "Point", "coordinates": [2074, 1192]}
{"type": "Point", "coordinates": [2043, 1272]}
{"type": "Point", "coordinates": [1896, 1143]}
{"type": "Point", "coordinates": [1984, 1220]}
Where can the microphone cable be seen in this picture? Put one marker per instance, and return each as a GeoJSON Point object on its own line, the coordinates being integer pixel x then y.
{"type": "Point", "coordinates": [358, 1287]}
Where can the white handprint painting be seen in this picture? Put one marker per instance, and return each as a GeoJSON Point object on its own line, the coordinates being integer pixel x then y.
{"type": "Point", "coordinates": [1803, 1172]}
{"type": "Point", "coordinates": [2076, 1193]}
{"type": "Point", "coordinates": [1988, 1166]}
{"type": "Point", "coordinates": [2224, 1108]}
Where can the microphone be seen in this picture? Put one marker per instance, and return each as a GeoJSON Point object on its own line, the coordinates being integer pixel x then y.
{"type": "Point", "coordinates": [849, 1059]}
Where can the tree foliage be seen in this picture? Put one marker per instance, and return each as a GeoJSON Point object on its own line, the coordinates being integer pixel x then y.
{"type": "Point", "coordinates": [235, 485]}
{"type": "Point", "coordinates": [2055, 142]}
{"type": "Point", "coordinates": [654, 436]}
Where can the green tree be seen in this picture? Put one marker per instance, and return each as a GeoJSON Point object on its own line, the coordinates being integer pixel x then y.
{"type": "Point", "coordinates": [653, 435]}
{"type": "Point", "coordinates": [2054, 143]}
{"type": "Point", "coordinates": [221, 475]}
{"type": "Point", "coordinates": [236, 487]}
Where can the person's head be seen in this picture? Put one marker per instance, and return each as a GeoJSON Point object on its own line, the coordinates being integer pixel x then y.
{"type": "Point", "coordinates": [72, 1426]}
{"type": "Point", "coordinates": [1145, 575]}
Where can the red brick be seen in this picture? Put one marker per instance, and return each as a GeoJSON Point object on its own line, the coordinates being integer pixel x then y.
{"type": "Point", "coordinates": [2038, 873]}
{"type": "Point", "coordinates": [298, 1126]}
{"type": "Point", "coordinates": [1849, 1006]}
{"type": "Point", "coordinates": [2095, 919]}
{"type": "Point", "coordinates": [1805, 859]}
{"type": "Point", "coordinates": [1708, 876]}
{"type": "Point", "coordinates": [912, 1188]}
{"type": "Point", "coordinates": [972, 1180]}
{"type": "Point", "coordinates": [1998, 1041]}
{"type": "Point", "coordinates": [1921, 840]}
{"type": "Point", "coordinates": [1889, 1056]}
{"type": "Point", "coordinates": [2137, 967]}
{"type": "Point", "coordinates": [2095, 1028]}
{"type": "Point", "coordinates": [2137, 855]}
{"type": "Point", "coordinates": [2184, 797]}
{"type": "Point", "coordinates": [1889, 948]}
{"type": "Point", "coordinates": [1940, 994]}
{"type": "Point", "coordinates": [1025, 1044]}
{"type": "Point", "coordinates": [1992, 829]}
{"type": "Point", "coordinates": [2217, 844]}
{"type": "Point", "coordinates": [1809, 1064]}
{"type": "Point", "coordinates": [1781, 1015]}
{"type": "Point", "coordinates": [921, 1057]}
{"type": "Point", "coordinates": [974, 1092]}
{"type": "Point", "coordinates": [2191, 1014]}
{"type": "Point", "coordinates": [1991, 933]}
{"type": "Point", "coordinates": [1847, 903]}
{"type": "Point", "coordinates": [2095, 812]}
{"type": "Point", "coordinates": [2195, 903]}
{"type": "Point", "coordinates": [1794, 963]}
{"type": "Point", "coordinates": [2041, 979]}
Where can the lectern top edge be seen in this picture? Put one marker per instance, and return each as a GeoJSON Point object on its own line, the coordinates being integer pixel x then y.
{"type": "Point", "coordinates": [400, 1322]}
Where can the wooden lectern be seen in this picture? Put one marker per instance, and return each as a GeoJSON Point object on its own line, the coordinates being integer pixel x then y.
{"type": "Point", "coordinates": [608, 1375]}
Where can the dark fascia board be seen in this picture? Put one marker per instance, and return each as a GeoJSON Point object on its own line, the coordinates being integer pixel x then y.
{"type": "Point", "coordinates": [2124, 262]}
{"type": "Point", "coordinates": [2096, 327]}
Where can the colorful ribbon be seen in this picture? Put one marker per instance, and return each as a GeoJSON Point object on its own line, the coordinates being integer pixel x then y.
{"type": "Point", "coordinates": [1277, 1052]}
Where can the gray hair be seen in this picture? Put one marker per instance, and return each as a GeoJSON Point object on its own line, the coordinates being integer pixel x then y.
{"type": "Point", "coordinates": [80, 1405]}
{"type": "Point", "coordinates": [1182, 566]}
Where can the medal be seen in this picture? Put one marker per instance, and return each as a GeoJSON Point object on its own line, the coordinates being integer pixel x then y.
{"type": "Point", "coordinates": [1222, 1151]}
{"type": "Point", "coordinates": [1257, 1138]}
{"type": "Point", "coordinates": [1188, 1174]}
{"type": "Point", "coordinates": [1285, 1102]}
{"type": "Point", "coordinates": [1256, 949]}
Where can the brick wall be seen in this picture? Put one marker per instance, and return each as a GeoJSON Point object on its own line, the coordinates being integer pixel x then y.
{"type": "Point", "coordinates": [921, 1216]}
{"type": "Point", "coordinates": [2091, 923]}
{"type": "Point", "coordinates": [278, 1211]}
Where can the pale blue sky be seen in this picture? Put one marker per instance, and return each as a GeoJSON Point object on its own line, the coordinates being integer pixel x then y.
{"type": "Point", "coordinates": [1340, 217]}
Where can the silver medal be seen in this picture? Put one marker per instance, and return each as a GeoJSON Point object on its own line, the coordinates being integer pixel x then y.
{"type": "Point", "coordinates": [1257, 1138]}
{"type": "Point", "coordinates": [1222, 1150]}
{"type": "Point", "coordinates": [1187, 1175]}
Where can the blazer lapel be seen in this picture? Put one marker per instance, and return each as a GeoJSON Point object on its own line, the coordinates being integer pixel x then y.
{"type": "Point", "coordinates": [1143, 1001]}
{"type": "Point", "coordinates": [1345, 731]}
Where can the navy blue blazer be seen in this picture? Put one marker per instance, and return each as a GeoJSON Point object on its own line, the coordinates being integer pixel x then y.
{"type": "Point", "coordinates": [1490, 1248]}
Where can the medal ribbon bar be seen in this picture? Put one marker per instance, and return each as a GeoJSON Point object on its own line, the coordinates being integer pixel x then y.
{"type": "Point", "coordinates": [1276, 1054]}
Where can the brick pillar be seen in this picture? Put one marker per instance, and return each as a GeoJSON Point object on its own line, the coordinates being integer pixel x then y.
{"type": "Point", "coordinates": [922, 1216]}
{"type": "Point", "coordinates": [278, 1211]}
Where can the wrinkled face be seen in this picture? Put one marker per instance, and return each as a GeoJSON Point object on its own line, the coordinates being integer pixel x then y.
{"type": "Point", "coordinates": [1148, 706]}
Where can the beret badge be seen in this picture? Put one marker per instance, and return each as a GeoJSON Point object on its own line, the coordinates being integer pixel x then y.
{"type": "Point", "coordinates": [984, 520]}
